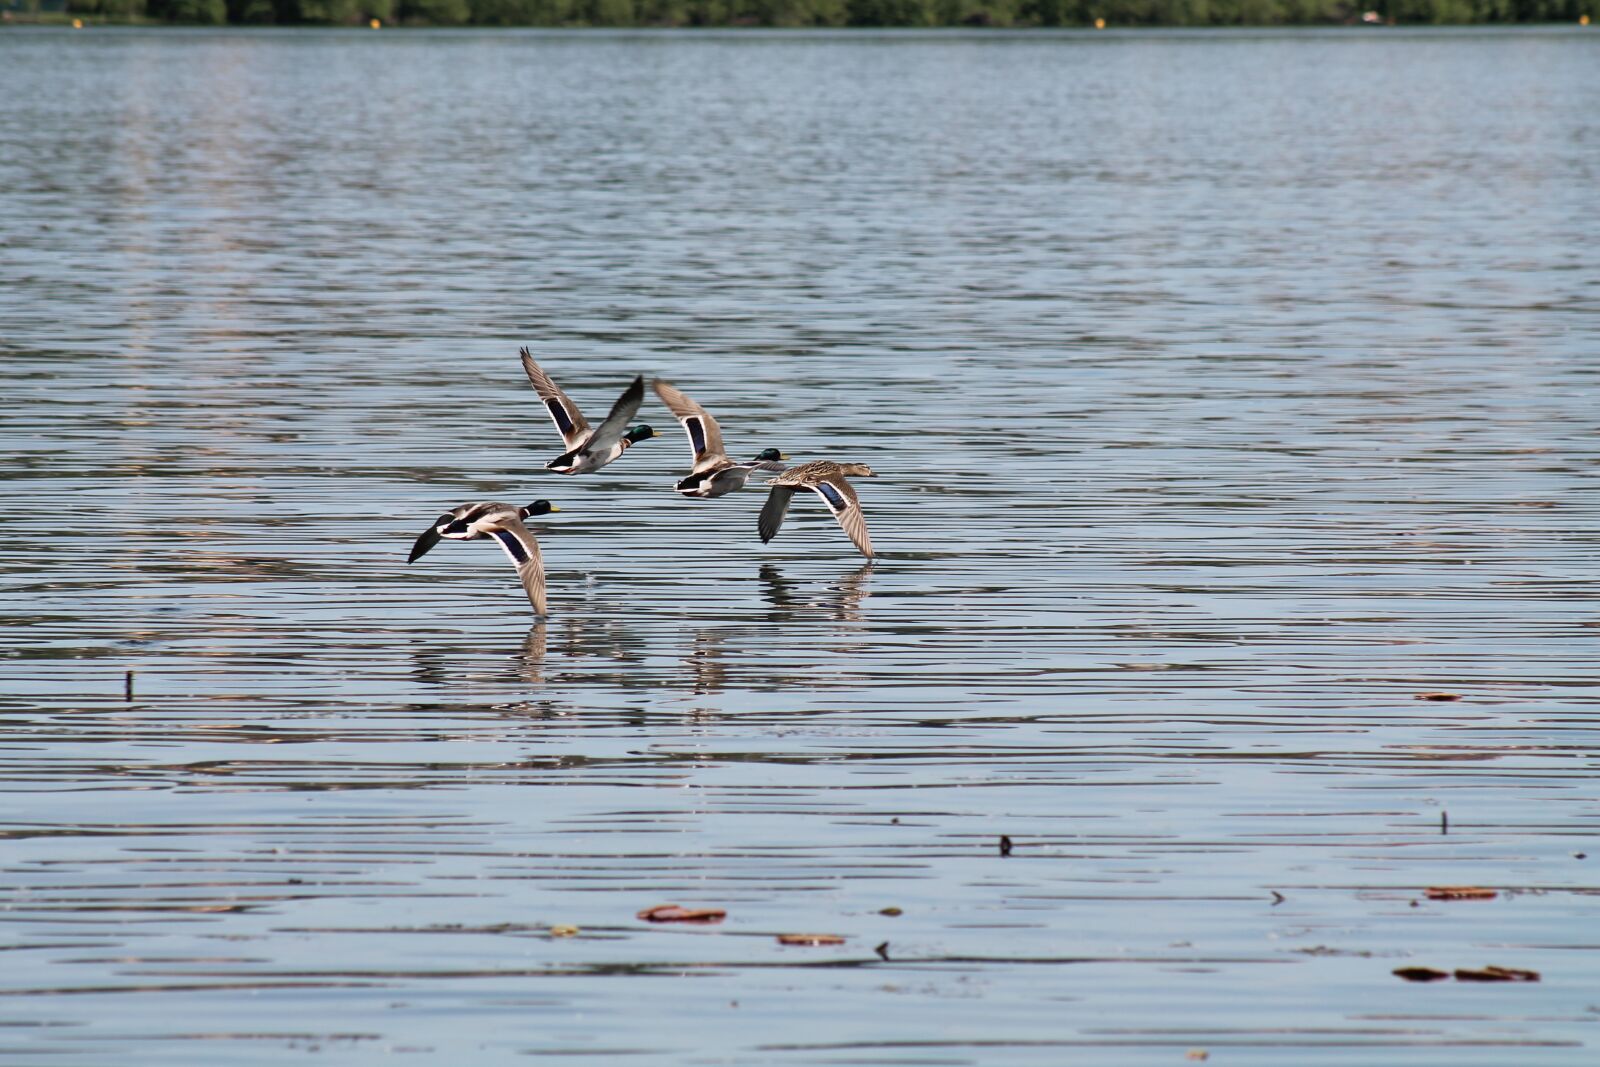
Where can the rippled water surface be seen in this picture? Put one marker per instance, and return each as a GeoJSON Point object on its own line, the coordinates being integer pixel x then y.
{"type": "Point", "coordinates": [1228, 394]}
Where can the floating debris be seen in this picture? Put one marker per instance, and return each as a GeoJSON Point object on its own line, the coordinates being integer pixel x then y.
{"type": "Point", "coordinates": [891, 911]}
{"type": "Point", "coordinates": [1492, 973]}
{"type": "Point", "coordinates": [563, 930]}
{"type": "Point", "coordinates": [883, 951]}
{"type": "Point", "coordinates": [810, 939]}
{"type": "Point", "coordinates": [1421, 974]}
{"type": "Point", "coordinates": [1459, 892]}
{"type": "Point", "coordinates": [1437, 696]}
{"type": "Point", "coordinates": [1005, 845]}
{"type": "Point", "coordinates": [677, 913]}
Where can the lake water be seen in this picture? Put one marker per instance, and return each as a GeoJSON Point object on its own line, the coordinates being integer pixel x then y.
{"type": "Point", "coordinates": [1228, 393]}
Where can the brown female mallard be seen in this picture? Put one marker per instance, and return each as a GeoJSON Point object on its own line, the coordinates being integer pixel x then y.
{"type": "Point", "coordinates": [827, 480]}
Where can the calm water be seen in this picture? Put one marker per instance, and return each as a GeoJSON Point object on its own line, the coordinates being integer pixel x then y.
{"type": "Point", "coordinates": [1227, 391]}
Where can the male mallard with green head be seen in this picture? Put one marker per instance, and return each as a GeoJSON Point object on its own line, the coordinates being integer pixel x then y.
{"type": "Point", "coordinates": [588, 450]}
{"type": "Point", "coordinates": [503, 522]}
{"type": "Point", "coordinates": [713, 473]}
{"type": "Point", "coordinates": [827, 480]}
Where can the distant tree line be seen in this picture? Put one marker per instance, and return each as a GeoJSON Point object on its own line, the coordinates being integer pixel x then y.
{"type": "Point", "coordinates": [798, 13]}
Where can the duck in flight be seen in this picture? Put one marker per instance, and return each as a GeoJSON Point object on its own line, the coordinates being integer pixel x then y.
{"type": "Point", "coordinates": [713, 473]}
{"type": "Point", "coordinates": [588, 449]}
{"type": "Point", "coordinates": [827, 480]}
{"type": "Point", "coordinates": [503, 522]}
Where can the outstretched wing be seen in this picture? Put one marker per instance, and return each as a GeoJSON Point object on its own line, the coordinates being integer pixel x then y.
{"type": "Point", "coordinates": [429, 538]}
{"type": "Point", "coordinates": [524, 553]}
{"type": "Point", "coordinates": [705, 436]}
{"type": "Point", "coordinates": [842, 501]}
{"type": "Point", "coordinates": [568, 419]}
{"type": "Point", "coordinates": [608, 433]}
{"type": "Point", "coordinates": [773, 511]}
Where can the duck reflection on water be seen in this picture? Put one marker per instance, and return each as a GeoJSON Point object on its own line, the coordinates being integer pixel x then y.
{"type": "Point", "coordinates": [789, 597]}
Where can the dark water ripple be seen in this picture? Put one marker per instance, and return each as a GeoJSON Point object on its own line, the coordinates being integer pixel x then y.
{"type": "Point", "coordinates": [1229, 393]}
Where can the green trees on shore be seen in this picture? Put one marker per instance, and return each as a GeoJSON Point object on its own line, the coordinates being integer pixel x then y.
{"type": "Point", "coordinates": [795, 13]}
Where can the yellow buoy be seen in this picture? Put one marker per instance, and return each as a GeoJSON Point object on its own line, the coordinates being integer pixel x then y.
{"type": "Point", "coordinates": [1099, 24]}
{"type": "Point", "coordinates": [376, 24]}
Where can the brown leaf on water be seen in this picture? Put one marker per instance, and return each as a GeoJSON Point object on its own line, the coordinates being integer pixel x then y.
{"type": "Point", "coordinates": [1492, 973]}
{"type": "Point", "coordinates": [1437, 696]}
{"type": "Point", "coordinates": [1421, 974]}
{"type": "Point", "coordinates": [1197, 1054]}
{"type": "Point", "coordinates": [1459, 892]}
{"type": "Point", "coordinates": [810, 939]}
{"type": "Point", "coordinates": [890, 911]}
{"type": "Point", "coordinates": [563, 930]}
{"type": "Point", "coordinates": [677, 913]}
{"type": "Point", "coordinates": [883, 951]}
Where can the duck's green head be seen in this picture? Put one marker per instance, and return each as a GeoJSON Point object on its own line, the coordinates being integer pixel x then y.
{"type": "Point", "coordinates": [771, 455]}
{"type": "Point", "coordinates": [540, 507]}
{"type": "Point", "coordinates": [636, 434]}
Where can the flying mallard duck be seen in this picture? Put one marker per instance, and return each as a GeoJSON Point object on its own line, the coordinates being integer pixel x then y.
{"type": "Point", "coordinates": [713, 473]}
{"type": "Point", "coordinates": [827, 480]}
{"type": "Point", "coordinates": [503, 522]}
{"type": "Point", "coordinates": [588, 450]}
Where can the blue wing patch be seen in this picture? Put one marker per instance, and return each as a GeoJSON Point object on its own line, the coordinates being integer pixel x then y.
{"type": "Point", "coordinates": [835, 499]}
{"type": "Point", "coordinates": [559, 413]}
{"type": "Point", "coordinates": [697, 434]}
{"type": "Point", "coordinates": [513, 546]}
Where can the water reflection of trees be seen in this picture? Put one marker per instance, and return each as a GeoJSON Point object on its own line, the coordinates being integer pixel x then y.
{"type": "Point", "coordinates": [828, 13]}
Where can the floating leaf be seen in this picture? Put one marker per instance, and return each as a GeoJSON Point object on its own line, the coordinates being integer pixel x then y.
{"type": "Point", "coordinates": [1495, 974]}
{"type": "Point", "coordinates": [563, 931]}
{"type": "Point", "coordinates": [1197, 1054]}
{"type": "Point", "coordinates": [810, 939]}
{"type": "Point", "coordinates": [890, 911]}
{"type": "Point", "coordinates": [1442, 697]}
{"type": "Point", "coordinates": [677, 913]}
{"type": "Point", "coordinates": [1420, 974]}
{"type": "Point", "coordinates": [1005, 845]}
{"type": "Point", "coordinates": [1459, 892]}
{"type": "Point", "coordinates": [883, 951]}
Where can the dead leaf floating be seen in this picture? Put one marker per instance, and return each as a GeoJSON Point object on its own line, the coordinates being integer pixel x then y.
{"type": "Point", "coordinates": [1421, 974]}
{"type": "Point", "coordinates": [810, 939]}
{"type": "Point", "coordinates": [677, 913]}
{"type": "Point", "coordinates": [1490, 973]}
{"type": "Point", "coordinates": [1459, 892]}
{"type": "Point", "coordinates": [891, 911]}
{"type": "Point", "coordinates": [1441, 697]}
{"type": "Point", "coordinates": [1005, 845]}
{"type": "Point", "coordinates": [563, 930]}
{"type": "Point", "coordinates": [1495, 974]}
{"type": "Point", "coordinates": [1197, 1054]}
